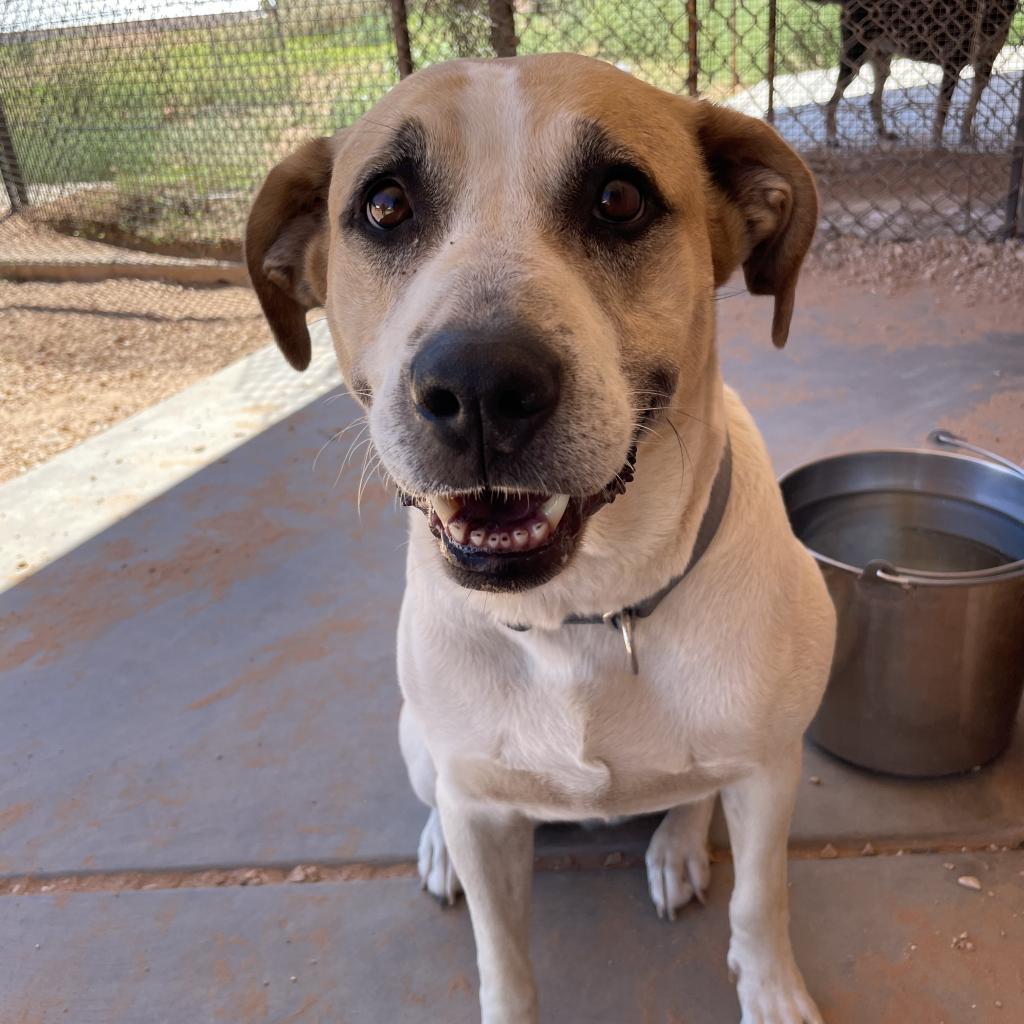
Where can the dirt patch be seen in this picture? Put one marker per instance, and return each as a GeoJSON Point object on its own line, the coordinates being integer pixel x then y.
{"type": "Point", "coordinates": [170, 222]}
{"type": "Point", "coordinates": [988, 424]}
{"type": "Point", "coordinates": [979, 273]}
{"type": "Point", "coordinates": [77, 358]}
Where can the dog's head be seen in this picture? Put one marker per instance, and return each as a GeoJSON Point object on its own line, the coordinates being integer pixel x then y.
{"type": "Point", "coordinates": [518, 260]}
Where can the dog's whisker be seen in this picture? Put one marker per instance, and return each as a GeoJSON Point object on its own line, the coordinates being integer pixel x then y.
{"type": "Point", "coordinates": [648, 430]}
{"type": "Point", "coordinates": [682, 448]}
{"type": "Point", "coordinates": [322, 448]}
{"type": "Point", "coordinates": [353, 448]}
{"type": "Point", "coordinates": [364, 477]}
{"type": "Point", "coordinates": [333, 438]}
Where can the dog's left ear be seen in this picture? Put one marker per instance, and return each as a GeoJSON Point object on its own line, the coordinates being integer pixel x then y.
{"type": "Point", "coordinates": [764, 206]}
{"type": "Point", "coordinates": [286, 245]}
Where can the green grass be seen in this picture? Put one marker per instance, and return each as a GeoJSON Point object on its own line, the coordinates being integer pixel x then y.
{"type": "Point", "coordinates": [732, 38]}
{"type": "Point", "coordinates": [171, 107]}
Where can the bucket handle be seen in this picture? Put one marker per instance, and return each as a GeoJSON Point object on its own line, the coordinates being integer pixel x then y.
{"type": "Point", "coordinates": [948, 438]}
{"type": "Point", "coordinates": [879, 570]}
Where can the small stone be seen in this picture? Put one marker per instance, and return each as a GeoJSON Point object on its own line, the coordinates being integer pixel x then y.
{"type": "Point", "coordinates": [251, 877]}
{"type": "Point", "coordinates": [998, 1004]}
{"type": "Point", "coordinates": [868, 851]}
{"type": "Point", "coordinates": [293, 979]}
{"type": "Point", "coordinates": [304, 873]}
{"type": "Point", "coordinates": [613, 860]}
{"type": "Point", "coordinates": [829, 852]}
{"type": "Point", "coordinates": [963, 943]}
{"type": "Point", "coordinates": [815, 780]}
{"type": "Point", "coordinates": [969, 882]}
{"type": "Point", "coordinates": [949, 867]}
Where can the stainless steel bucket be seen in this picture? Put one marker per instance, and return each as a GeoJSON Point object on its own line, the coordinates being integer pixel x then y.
{"type": "Point", "coordinates": [923, 553]}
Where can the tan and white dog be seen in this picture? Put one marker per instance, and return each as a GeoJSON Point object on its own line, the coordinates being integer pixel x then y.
{"type": "Point", "coordinates": [518, 259]}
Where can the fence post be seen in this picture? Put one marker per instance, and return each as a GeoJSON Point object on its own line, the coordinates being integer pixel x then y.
{"type": "Point", "coordinates": [400, 26]}
{"type": "Point", "coordinates": [1016, 173]}
{"type": "Point", "coordinates": [773, 27]}
{"type": "Point", "coordinates": [692, 53]}
{"type": "Point", "coordinates": [503, 27]}
{"type": "Point", "coordinates": [10, 168]}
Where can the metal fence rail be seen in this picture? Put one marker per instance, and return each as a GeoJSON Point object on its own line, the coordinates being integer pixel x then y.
{"type": "Point", "coordinates": [146, 124]}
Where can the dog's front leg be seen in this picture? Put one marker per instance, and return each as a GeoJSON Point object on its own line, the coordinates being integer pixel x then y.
{"type": "Point", "coordinates": [758, 809]}
{"type": "Point", "coordinates": [492, 850]}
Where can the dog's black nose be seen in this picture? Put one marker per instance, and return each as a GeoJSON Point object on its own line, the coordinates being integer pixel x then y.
{"type": "Point", "coordinates": [492, 387]}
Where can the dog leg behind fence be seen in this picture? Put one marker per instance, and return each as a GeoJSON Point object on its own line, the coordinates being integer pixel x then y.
{"type": "Point", "coordinates": [950, 76]}
{"type": "Point", "coordinates": [851, 57]}
{"type": "Point", "coordinates": [881, 63]}
{"type": "Point", "coordinates": [982, 74]}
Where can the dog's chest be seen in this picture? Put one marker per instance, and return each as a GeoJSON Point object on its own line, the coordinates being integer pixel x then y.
{"type": "Point", "coordinates": [577, 735]}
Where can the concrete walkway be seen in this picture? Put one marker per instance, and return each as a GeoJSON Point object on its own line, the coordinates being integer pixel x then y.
{"type": "Point", "coordinates": [198, 693]}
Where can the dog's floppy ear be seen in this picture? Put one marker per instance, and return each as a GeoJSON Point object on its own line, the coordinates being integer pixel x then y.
{"type": "Point", "coordinates": [286, 245]}
{"type": "Point", "coordinates": [764, 206]}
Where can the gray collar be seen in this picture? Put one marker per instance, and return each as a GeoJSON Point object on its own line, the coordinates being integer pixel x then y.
{"type": "Point", "coordinates": [624, 619]}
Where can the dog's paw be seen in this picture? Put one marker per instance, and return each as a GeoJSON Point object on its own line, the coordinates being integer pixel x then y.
{"type": "Point", "coordinates": [773, 994]}
{"type": "Point", "coordinates": [678, 869]}
{"type": "Point", "coordinates": [437, 875]}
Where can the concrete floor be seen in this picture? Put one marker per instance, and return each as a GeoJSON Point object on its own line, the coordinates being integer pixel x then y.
{"type": "Point", "coordinates": [202, 695]}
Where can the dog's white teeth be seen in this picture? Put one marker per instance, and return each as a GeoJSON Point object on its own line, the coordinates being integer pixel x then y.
{"type": "Point", "coordinates": [457, 532]}
{"type": "Point", "coordinates": [539, 531]}
{"type": "Point", "coordinates": [446, 508]}
{"type": "Point", "coordinates": [554, 508]}
{"type": "Point", "coordinates": [477, 538]}
{"type": "Point", "coordinates": [494, 541]}
{"type": "Point", "coordinates": [520, 538]}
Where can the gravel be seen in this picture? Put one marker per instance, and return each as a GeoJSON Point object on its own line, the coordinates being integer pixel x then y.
{"type": "Point", "coordinates": [979, 272]}
{"type": "Point", "coordinates": [77, 358]}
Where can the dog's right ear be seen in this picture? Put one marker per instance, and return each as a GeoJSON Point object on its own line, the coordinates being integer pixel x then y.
{"type": "Point", "coordinates": [286, 245]}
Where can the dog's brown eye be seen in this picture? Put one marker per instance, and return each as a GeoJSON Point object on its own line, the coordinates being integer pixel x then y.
{"type": "Point", "coordinates": [620, 202]}
{"type": "Point", "coordinates": [388, 205]}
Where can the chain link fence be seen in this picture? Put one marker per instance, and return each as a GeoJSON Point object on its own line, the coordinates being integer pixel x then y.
{"type": "Point", "coordinates": [133, 132]}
